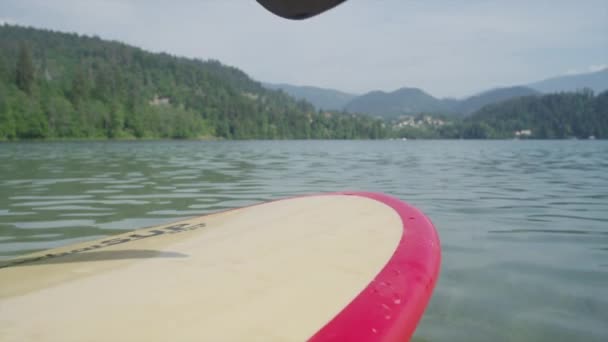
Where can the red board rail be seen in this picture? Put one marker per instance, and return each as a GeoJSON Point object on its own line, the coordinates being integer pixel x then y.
{"type": "Point", "coordinates": [391, 306]}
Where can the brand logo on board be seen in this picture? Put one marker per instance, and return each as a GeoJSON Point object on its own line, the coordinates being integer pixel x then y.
{"type": "Point", "coordinates": [144, 234]}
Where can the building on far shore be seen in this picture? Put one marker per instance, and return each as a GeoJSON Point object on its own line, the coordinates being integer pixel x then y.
{"type": "Point", "coordinates": [523, 133]}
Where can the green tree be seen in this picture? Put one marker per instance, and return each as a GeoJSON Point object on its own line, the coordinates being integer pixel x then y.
{"type": "Point", "coordinates": [7, 121]}
{"type": "Point", "coordinates": [60, 112]}
{"type": "Point", "coordinates": [3, 69]}
{"type": "Point", "coordinates": [30, 121]}
{"type": "Point", "coordinates": [24, 73]}
{"type": "Point", "coordinates": [117, 122]}
{"type": "Point", "coordinates": [81, 85]}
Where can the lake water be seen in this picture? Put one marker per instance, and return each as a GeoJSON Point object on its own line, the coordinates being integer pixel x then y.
{"type": "Point", "coordinates": [523, 224]}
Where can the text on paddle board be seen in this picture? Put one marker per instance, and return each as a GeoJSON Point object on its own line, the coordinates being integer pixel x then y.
{"type": "Point", "coordinates": [173, 229]}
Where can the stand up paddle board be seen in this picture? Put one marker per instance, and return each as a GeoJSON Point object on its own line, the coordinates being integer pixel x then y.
{"type": "Point", "coordinates": [335, 267]}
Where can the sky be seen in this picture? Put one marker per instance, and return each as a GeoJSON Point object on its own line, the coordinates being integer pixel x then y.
{"type": "Point", "coordinates": [450, 48]}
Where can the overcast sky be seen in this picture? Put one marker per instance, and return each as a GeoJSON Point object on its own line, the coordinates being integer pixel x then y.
{"type": "Point", "coordinates": [449, 48]}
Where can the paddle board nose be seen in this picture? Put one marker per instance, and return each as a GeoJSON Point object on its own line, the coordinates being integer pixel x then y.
{"type": "Point", "coordinates": [298, 9]}
{"type": "Point", "coordinates": [348, 266]}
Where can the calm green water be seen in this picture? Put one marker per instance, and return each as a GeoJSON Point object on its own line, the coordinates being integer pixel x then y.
{"type": "Point", "coordinates": [523, 224]}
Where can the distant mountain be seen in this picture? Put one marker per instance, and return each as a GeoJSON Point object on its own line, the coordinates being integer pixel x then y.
{"type": "Point", "coordinates": [399, 102]}
{"type": "Point", "coordinates": [476, 102]}
{"type": "Point", "coordinates": [321, 98]}
{"type": "Point", "coordinates": [597, 81]}
{"type": "Point", "coordinates": [408, 101]}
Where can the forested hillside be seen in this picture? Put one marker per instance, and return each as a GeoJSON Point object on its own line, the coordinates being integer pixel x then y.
{"type": "Point", "coordinates": [494, 96]}
{"type": "Point", "coordinates": [554, 116]}
{"type": "Point", "coordinates": [58, 85]}
{"type": "Point", "coordinates": [580, 115]}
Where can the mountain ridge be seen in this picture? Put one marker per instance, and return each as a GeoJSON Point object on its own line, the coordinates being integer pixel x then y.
{"type": "Point", "coordinates": [321, 98]}
{"type": "Point", "coordinates": [411, 100]}
{"type": "Point", "coordinates": [405, 100]}
{"type": "Point", "coordinates": [596, 81]}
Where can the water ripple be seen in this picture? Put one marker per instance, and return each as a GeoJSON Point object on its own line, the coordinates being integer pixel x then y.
{"type": "Point", "coordinates": [524, 225]}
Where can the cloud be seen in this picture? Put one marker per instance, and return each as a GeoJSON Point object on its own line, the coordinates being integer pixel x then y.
{"type": "Point", "coordinates": [589, 69]}
{"type": "Point", "coordinates": [598, 67]}
{"type": "Point", "coordinates": [7, 21]}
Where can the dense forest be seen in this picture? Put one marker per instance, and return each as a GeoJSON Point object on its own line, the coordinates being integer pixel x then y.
{"type": "Point", "coordinates": [578, 115]}
{"type": "Point", "coordinates": [554, 116]}
{"type": "Point", "coordinates": [57, 85]}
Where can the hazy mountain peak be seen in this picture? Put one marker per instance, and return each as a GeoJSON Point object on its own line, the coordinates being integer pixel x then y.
{"type": "Point", "coordinates": [402, 101]}
{"type": "Point", "coordinates": [321, 98]}
{"type": "Point", "coordinates": [596, 81]}
{"type": "Point", "coordinates": [476, 102]}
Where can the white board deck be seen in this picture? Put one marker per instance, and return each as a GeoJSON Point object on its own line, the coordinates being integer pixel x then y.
{"type": "Point", "coordinates": [279, 271]}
